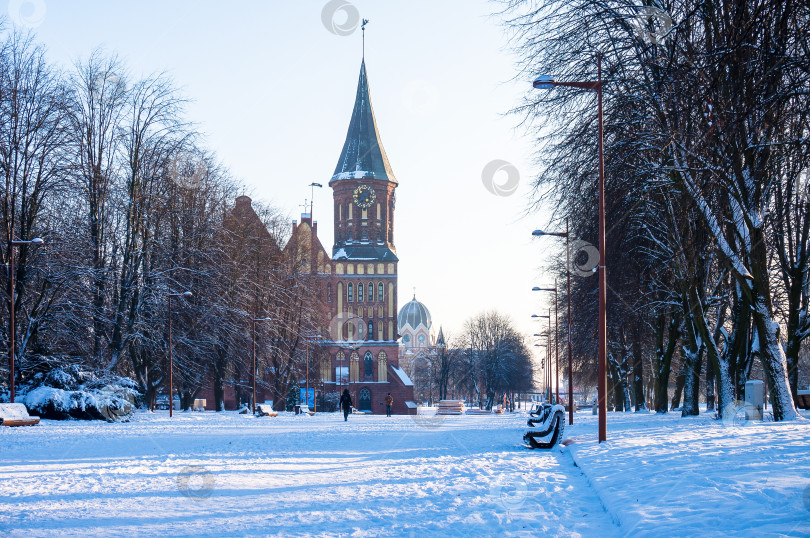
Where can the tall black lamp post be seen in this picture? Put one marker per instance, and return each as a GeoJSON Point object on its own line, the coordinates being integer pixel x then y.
{"type": "Point", "coordinates": [545, 82]}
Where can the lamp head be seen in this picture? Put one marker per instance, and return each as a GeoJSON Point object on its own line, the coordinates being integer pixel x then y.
{"type": "Point", "coordinates": [543, 82]}
{"type": "Point", "coordinates": [187, 294]}
{"type": "Point", "coordinates": [37, 241]}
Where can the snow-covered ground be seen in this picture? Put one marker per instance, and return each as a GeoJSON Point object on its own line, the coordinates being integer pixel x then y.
{"type": "Point", "coordinates": [230, 474]}
{"type": "Point", "coordinates": [672, 476]}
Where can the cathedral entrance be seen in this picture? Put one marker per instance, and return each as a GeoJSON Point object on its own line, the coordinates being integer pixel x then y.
{"type": "Point", "coordinates": [365, 400]}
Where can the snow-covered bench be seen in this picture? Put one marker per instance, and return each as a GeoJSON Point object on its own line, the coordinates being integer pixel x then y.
{"type": "Point", "coordinates": [551, 421]}
{"type": "Point", "coordinates": [264, 410]}
{"type": "Point", "coordinates": [15, 414]}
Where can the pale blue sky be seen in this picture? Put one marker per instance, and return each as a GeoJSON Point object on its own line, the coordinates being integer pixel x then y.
{"type": "Point", "coordinates": [273, 91]}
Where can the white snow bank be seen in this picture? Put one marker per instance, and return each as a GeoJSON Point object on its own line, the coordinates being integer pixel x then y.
{"type": "Point", "coordinates": [663, 475]}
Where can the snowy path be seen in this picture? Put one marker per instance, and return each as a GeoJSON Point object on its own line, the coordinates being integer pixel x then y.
{"type": "Point", "coordinates": [229, 474]}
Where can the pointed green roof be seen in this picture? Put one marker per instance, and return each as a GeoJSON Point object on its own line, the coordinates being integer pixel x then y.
{"type": "Point", "coordinates": [440, 339]}
{"type": "Point", "coordinates": [363, 155]}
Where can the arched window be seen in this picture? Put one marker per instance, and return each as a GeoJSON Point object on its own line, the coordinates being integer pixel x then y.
{"type": "Point", "coordinates": [370, 292]}
{"type": "Point", "coordinates": [329, 293]}
{"type": "Point", "coordinates": [370, 330]}
{"type": "Point", "coordinates": [368, 362]}
{"type": "Point", "coordinates": [354, 372]}
{"type": "Point", "coordinates": [380, 294]}
{"type": "Point", "coordinates": [350, 289]}
{"type": "Point", "coordinates": [360, 293]}
{"type": "Point", "coordinates": [382, 366]}
{"type": "Point", "coordinates": [365, 400]}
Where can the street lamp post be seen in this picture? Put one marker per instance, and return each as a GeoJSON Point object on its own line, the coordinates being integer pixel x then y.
{"type": "Point", "coordinates": [542, 366]}
{"type": "Point", "coordinates": [253, 323]}
{"type": "Point", "coordinates": [312, 201]}
{"type": "Point", "coordinates": [548, 355]}
{"type": "Point", "coordinates": [12, 332]}
{"type": "Point", "coordinates": [556, 343]}
{"type": "Point", "coordinates": [566, 235]}
{"type": "Point", "coordinates": [545, 82]}
{"type": "Point", "coordinates": [185, 294]}
{"type": "Point", "coordinates": [306, 385]}
{"type": "Point", "coordinates": [308, 337]}
{"type": "Point", "coordinates": [546, 378]}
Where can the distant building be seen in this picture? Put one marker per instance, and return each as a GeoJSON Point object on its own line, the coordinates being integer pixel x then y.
{"type": "Point", "coordinates": [419, 347]}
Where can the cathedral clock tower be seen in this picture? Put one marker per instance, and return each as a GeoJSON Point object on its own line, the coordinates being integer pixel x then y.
{"type": "Point", "coordinates": [364, 188]}
{"type": "Point", "coordinates": [363, 284]}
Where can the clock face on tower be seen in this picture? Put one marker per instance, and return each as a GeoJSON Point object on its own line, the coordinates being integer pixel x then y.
{"type": "Point", "coordinates": [364, 196]}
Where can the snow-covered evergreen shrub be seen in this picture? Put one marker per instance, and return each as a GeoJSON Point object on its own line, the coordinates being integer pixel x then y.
{"type": "Point", "coordinates": [65, 393]}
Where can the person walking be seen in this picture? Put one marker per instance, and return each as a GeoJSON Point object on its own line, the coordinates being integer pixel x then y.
{"type": "Point", "coordinates": [346, 404]}
{"type": "Point", "coordinates": [389, 401]}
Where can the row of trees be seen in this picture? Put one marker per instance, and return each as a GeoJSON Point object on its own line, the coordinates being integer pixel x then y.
{"type": "Point", "coordinates": [104, 167]}
{"type": "Point", "coordinates": [706, 160]}
{"type": "Point", "coordinates": [487, 359]}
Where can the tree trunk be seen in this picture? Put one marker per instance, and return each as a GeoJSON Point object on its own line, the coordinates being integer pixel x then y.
{"type": "Point", "coordinates": [691, 385]}
{"type": "Point", "coordinates": [774, 363]}
{"type": "Point", "coordinates": [680, 380]}
{"type": "Point", "coordinates": [663, 361]}
{"type": "Point", "coordinates": [638, 371]}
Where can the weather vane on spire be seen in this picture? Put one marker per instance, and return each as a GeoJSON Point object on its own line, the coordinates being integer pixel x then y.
{"type": "Point", "coordinates": [363, 28]}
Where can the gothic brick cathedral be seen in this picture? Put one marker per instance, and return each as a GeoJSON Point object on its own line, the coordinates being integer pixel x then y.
{"type": "Point", "coordinates": [360, 277]}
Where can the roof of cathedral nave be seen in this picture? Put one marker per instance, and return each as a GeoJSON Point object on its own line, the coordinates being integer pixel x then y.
{"type": "Point", "coordinates": [363, 155]}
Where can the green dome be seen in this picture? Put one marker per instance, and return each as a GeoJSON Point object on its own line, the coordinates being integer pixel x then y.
{"type": "Point", "coordinates": [414, 314]}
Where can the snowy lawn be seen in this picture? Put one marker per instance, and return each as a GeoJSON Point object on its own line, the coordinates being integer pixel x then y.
{"type": "Point", "coordinates": [230, 474]}
{"type": "Point", "coordinates": [673, 476]}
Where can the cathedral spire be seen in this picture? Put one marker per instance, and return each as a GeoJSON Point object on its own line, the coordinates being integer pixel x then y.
{"type": "Point", "coordinates": [363, 28]}
{"type": "Point", "coordinates": [363, 155]}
